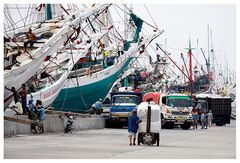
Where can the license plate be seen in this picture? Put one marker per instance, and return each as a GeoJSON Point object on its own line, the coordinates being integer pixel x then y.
{"type": "Point", "coordinates": [180, 118]}
{"type": "Point", "coordinates": [122, 119]}
{"type": "Point", "coordinates": [179, 122]}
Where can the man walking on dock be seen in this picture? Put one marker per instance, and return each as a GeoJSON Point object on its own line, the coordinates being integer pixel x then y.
{"type": "Point", "coordinates": [210, 118]}
{"type": "Point", "coordinates": [133, 122]}
{"type": "Point", "coordinates": [204, 120]}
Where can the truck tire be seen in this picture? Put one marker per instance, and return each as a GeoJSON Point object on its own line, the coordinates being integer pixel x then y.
{"type": "Point", "coordinates": [108, 123]}
{"type": "Point", "coordinates": [169, 125]}
{"type": "Point", "coordinates": [221, 122]}
{"type": "Point", "coordinates": [218, 124]}
{"type": "Point", "coordinates": [138, 140]}
{"type": "Point", "coordinates": [158, 139]}
{"type": "Point", "coordinates": [186, 126]}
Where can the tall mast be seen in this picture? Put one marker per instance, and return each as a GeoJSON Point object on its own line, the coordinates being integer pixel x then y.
{"type": "Point", "coordinates": [212, 53]}
{"type": "Point", "coordinates": [197, 50]}
{"type": "Point", "coordinates": [190, 61]}
{"type": "Point", "coordinates": [125, 22]}
{"type": "Point", "coordinates": [196, 64]}
{"type": "Point", "coordinates": [226, 68]}
{"type": "Point", "coordinates": [208, 66]}
{"type": "Point", "coordinates": [165, 44]}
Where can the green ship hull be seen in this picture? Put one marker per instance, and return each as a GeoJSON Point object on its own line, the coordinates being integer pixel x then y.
{"type": "Point", "coordinates": [80, 99]}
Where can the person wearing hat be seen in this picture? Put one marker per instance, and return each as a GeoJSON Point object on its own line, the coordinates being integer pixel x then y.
{"type": "Point", "coordinates": [98, 106]}
{"type": "Point", "coordinates": [133, 122]}
{"type": "Point", "coordinates": [40, 110]}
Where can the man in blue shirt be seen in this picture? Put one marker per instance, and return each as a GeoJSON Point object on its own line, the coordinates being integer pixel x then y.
{"type": "Point", "coordinates": [133, 122]}
{"type": "Point", "coordinates": [98, 106]}
{"type": "Point", "coordinates": [41, 111]}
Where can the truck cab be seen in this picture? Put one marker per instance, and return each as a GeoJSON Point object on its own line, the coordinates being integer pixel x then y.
{"type": "Point", "coordinates": [122, 104]}
{"type": "Point", "coordinates": [176, 110]}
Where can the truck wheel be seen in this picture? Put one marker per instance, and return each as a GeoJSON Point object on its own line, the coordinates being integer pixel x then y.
{"type": "Point", "coordinates": [158, 139]}
{"type": "Point", "coordinates": [138, 140]}
{"type": "Point", "coordinates": [169, 125]}
{"type": "Point", "coordinates": [186, 126]}
{"type": "Point", "coordinates": [219, 124]}
{"type": "Point", "coordinates": [108, 123]}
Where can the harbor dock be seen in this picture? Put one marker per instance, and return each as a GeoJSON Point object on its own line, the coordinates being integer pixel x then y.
{"type": "Point", "coordinates": [54, 122]}
{"type": "Point", "coordinates": [217, 142]}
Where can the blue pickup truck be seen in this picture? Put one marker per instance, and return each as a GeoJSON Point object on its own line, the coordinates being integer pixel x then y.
{"type": "Point", "coordinates": [122, 104]}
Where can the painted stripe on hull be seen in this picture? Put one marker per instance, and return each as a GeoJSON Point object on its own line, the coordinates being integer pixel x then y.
{"type": "Point", "coordinates": [80, 99]}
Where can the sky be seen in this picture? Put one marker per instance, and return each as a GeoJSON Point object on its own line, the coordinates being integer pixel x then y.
{"type": "Point", "coordinates": [184, 21]}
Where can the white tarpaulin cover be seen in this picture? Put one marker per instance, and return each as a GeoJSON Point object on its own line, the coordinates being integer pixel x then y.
{"type": "Point", "coordinates": [155, 117]}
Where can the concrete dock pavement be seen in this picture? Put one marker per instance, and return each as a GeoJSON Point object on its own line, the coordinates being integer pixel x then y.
{"type": "Point", "coordinates": [217, 142]}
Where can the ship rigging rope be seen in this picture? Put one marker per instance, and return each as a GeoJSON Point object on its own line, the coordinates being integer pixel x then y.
{"type": "Point", "coordinates": [20, 13]}
{"type": "Point", "coordinates": [27, 14]}
{"type": "Point", "coordinates": [145, 48]}
{"type": "Point", "coordinates": [122, 20]}
{"type": "Point", "coordinates": [78, 86]}
{"type": "Point", "coordinates": [121, 39]}
{"type": "Point", "coordinates": [183, 51]}
{"type": "Point", "coordinates": [65, 96]}
{"type": "Point", "coordinates": [9, 19]}
{"type": "Point", "coordinates": [93, 20]}
{"type": "Point", "coordinates": [117, 12]}
{"type": "Point", "coordinates": [73, 82]}
{"type": "Point", "coordinates": [131, 11]}
{"type": "Point", "coordinates": [115, 36]}
{"type": "Point", "coordinates": [68, 38]}
{"type": "Point", "coordinates": [172, 60]}
{"type": "Point", "coordinates": [151, 16]}
{"type": "Point", "coordinates": [96, 17]}
{"type": "Point", "coordinates": [114, 31]}
{"type": "Point", "coordinates": [51, 60]}
{"type": "Point", "coordinates": [6, 12]}
{"type": "Point", "coordinates": [8, 25]}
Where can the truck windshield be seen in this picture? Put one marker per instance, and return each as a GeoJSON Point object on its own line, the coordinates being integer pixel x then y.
{"type": "Point", "coordinates": [179, 102]}
{"type": "Point", "coordinates": [125, 99]}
